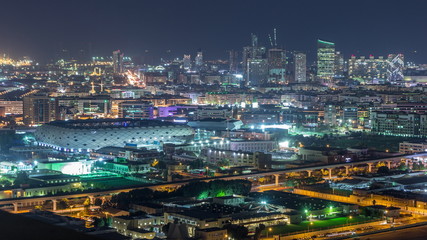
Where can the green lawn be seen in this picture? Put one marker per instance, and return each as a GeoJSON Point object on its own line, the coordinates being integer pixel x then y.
{"type": "Point", "coordinates": [378, 142]}
{"type": "Point", "coordinates": [113, 183]}
{"type": "Point", "coordinates": [316, 224]}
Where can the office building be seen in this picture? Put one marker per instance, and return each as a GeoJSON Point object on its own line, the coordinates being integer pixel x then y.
{"type": "Point", "coordinates": [96, 106]}
{"type": "Point", "coordinates": [325, 60]}
{"type": "Point", "coordinates": [300, 62]}
{"type": "Point", "coordinates": [276, 65]}
{"type": "Point", "coordinates": [367, 68]}
{"type": "Point", "coordinates": [349, 115]}
{"type": "Point", "coordinates": [395, 69]}
{"type": "Point", "coordinates": [38, 109]}
{"type": "Point", "coordinates": [257, 72]}
{"type": "Point", "coordinates": [186, 62]}
{"type": "Point", "coordinates": [399, 124]}
{"type": "Point", "coordinates": [254, 53]}
{"type": "Point", "coordinates": [233, 61]}
{"type": "Point", "coordinates": [136, 110]}
{"type": "Point", "coordinates": [330, 115]}
{"type": "Point", "coordinates": [199, 60]}
{"type": "Point", "coordinates": [339, 65]}
{"type": "Point", "coordinates": [118, 61]}
{"type": "Point", "coordinates": [411, 147]}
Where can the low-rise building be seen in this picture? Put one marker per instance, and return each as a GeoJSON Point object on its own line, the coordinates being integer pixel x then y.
{"type": "Point", "coordinates": [407, 147]}
{"type": "Point", "coordinates": [196, 219]}
{"type": "Point", "coordinates": [229, 200]}
{"type": "Point", "coordinates": [211, 234]}
{"type": "Point", "coordinates": [122, 166]}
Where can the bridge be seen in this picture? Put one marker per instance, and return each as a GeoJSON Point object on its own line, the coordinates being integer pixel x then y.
{"type": "Point", "coordinates": [31, 201]}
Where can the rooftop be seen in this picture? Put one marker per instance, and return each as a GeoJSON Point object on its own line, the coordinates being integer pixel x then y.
{"type": "Point", "coordinates": [109, 123]}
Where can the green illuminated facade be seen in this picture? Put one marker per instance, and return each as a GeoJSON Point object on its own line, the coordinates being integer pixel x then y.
{"type": "Point", "coordinates": [325, 59]}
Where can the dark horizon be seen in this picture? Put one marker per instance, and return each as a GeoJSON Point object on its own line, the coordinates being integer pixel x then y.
{"type": "Point", "coordinates": [40, 28]}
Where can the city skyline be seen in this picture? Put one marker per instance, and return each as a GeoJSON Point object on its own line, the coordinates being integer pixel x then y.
{"type": "Point", "coordinates": [171, 29]}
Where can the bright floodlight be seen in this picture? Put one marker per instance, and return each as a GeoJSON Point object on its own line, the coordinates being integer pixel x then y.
{"type": "Point", "coordinates": [284, 144]}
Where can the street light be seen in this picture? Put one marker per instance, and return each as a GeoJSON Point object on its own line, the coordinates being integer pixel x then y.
{"type": "Point", "coordinates": [308, 227]}
{"type": "Point", "coordinates": [350, 217]}
{"type": "Point", "coordinates": [269, 230]}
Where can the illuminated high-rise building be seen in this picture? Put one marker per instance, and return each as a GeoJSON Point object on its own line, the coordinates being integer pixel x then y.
{"type": "Point", "coordinates": [395, 67]}
{"type": "Point", "coordinates": [255, 63]}
{"type": "Point", "coordinates": [199, 60]}
{"type": "Point", "coordinates": [339, 65]}
{"type": "Point", "coordinates": [276, 65]}
{"type": "Point", "coordinates": [325, 59]}
{"type": "Point", "coordinates": [233, 61]}
{"type": "Point", "coordinates": [257, 72]}
{"type": "Point", "coordinates": [118, 61]}
{"type": "Point", "coordinates": [252, 52]}
{"type": "Point", "coordinates": [39, 109]}
{"type": "Point", "coordinates": [300, 62]}
{"type": "Point", "coordinates": [367, 68]}
{"type": "Point", "coordinates": [186, 62]}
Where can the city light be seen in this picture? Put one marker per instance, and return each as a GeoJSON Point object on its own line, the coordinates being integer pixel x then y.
{"type": "Point", "coordinates": [204, 123]}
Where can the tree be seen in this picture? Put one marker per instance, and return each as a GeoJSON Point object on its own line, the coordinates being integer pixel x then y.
{"type": "Point", "coordinates": [165, 228]}
{"type": "Point", "coordinates": [99, 222]}
{"type": "Point", "coordinates": [108, 221]}
{"type": "Point", "coordinates": [402, 166]}
{"type": "Point", "coordinates": [137, 213]}
{"type": "Point", "coordinates": [98, 202]}
{"type": "Point", "coordinates": [383, 170]}
{"type": "Point", "coordinates": [63, 204]}
{"type": "Point", "coordinates": [197, 164]}
{"type": "Point", "coordinates": [21, 178]}
{"type": "Point", "coordinates": [258, 231]}
{"type": "Point", "coordinates": [374, 202]}
{"type": "Point", "coordinates": [417, 166]}
{"type": "Point", "coordinates": [236, 231]}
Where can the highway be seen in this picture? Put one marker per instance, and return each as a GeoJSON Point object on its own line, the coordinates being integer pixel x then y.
{"type": "Point", "coordinates": [26, 201]}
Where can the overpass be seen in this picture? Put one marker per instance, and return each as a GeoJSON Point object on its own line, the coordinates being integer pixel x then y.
{"type": "Point", "coordinates": [30, 201]}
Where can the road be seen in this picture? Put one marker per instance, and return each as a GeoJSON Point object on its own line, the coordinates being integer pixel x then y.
{"type": "Point", "coordinates": [415, 233]}
{"type": "Point", "coordinates": [36, 200]}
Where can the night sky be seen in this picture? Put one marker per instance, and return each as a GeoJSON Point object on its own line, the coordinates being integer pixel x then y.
{"type": "Point", "coordinates": [39, 28]}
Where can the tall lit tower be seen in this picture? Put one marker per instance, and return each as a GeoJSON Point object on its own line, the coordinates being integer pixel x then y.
{"type": "Point", "coordinates": [199, 59]}
{"type": "Point", "coordinates": [233, 62]}
{"type": "Point", "coordinates": [276, 64]}
{"type": "Point", "coordinates": [339, 65]}
{"type": "Point", "coordinates": [325, 59]}
{"type": "Point", "coordinates": [300, 60]}
{"type": "Point", "coordinates": [255, 63]}
{"type": "Point", "coordinates": [396, 65]}
{"type": "Point", "coordinates": [187, 62]}
{"type": "Point", "coordinates": [118, 61]}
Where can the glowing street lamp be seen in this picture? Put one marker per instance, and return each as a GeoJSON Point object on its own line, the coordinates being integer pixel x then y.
{"type": "Point", "coordinates": [349, 218]}
{"type": "Point", "coordinates": [269, 230]}
{"type": "Point", "coordinates": [308, 226]}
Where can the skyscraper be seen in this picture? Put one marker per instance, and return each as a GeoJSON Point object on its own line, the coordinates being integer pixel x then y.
{"type": "Point", "coordinates": [118, 61]}
{"type": "Point", "coordinates": [199, 60]}
{"type": "Point", "coordinates": [187, 62]}
{"type": "Point", "coordinates": [325, 59]}
{"type": "Point", "coordinates": [233, 62]}
{"type": "Point", "coordinates": [300, 60]}
{"type": "Point", "coordinates": [395, 67]}
{"type": "Point", "coordinates": [339, 65]}
{"type": "Point", "coordinates": [252, 52]}
{"type": "Point", "coordinates": [39, 109]}
{"type": "Point", "coordinates": [257, 72]}
{"type": "Point", "coordinates": [255, 63]}
{"type": "Point", "coordinates": [276, 65]}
